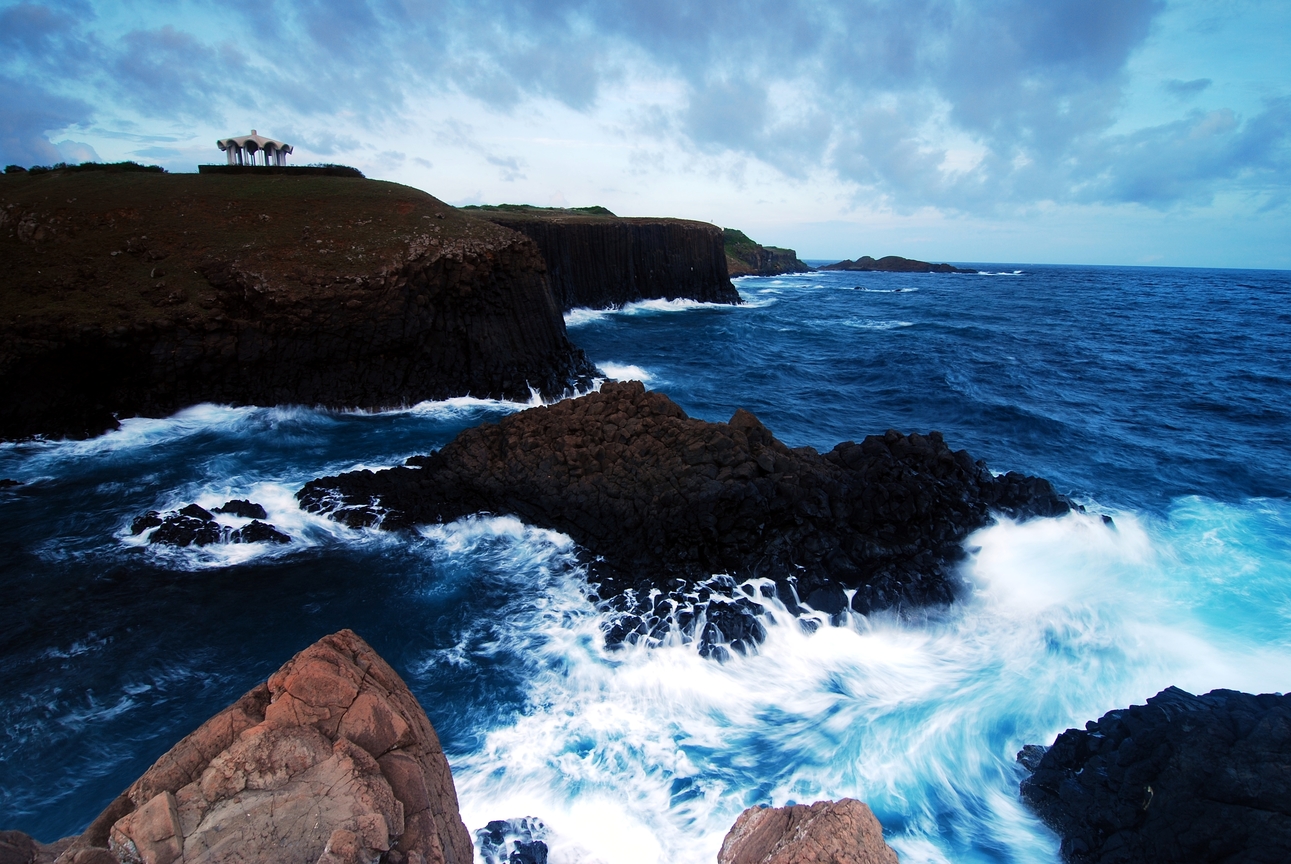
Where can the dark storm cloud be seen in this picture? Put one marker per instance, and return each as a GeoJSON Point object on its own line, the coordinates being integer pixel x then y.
{"type": "Point", "coordinates": [868, 89]}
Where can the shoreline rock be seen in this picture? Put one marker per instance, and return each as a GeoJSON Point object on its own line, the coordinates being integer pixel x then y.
{"type": "Point", "coordinates": [331, 761]}
{"type": "Point", "coordinates": [827, 832]}
{"type": "Point", "coordinates": [660, 502]}
{"type": "Point", "coordinates": [1183, 778]}
{"type": "Point", "coordinates": [137, 294]}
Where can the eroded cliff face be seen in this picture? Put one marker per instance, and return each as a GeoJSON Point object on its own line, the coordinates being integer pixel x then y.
{"type": "Point", "coordinates": [604, 261]}
{"type": "Point", "coordinates": [744, 257]}
{"type": "Point", "coordinates": [129, 295]}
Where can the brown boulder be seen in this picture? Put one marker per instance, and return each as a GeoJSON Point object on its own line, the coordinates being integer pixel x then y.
{"type": "Point", "coordinates": [827, 832]}
{"type": "Point", "coordinates": [331, 760]}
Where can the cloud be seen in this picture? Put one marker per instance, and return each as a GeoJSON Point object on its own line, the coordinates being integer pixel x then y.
{"type": "Point", "coordinates": [27, 112]}
{"type": "Point", "coordinates": [959, 105]}
{"type": "Point", "coordinates": [1186, 89]}
{"type": "Point", "coordinates": [76, 152]}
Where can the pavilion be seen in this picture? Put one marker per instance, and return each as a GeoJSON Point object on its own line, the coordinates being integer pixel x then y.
{"type": "Point", "coordinates": [242, 150]}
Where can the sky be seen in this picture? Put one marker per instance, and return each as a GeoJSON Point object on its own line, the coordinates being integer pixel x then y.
{"type": "Point", "coordinates": [1139, 132]}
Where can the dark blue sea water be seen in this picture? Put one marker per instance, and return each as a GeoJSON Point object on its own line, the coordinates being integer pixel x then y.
{"type": "Point", "coordinates": [1160, 397]}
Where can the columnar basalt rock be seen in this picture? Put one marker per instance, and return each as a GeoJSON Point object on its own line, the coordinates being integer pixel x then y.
{"type": "Point", "coordinates": [1181, 779]}
{"type": "Point", "coordinates": [827, 832]}
{"type": "Point", "coordinates": [138, 294]}
{"type": "Point", "coordinates": [603, 261]}
{"type": "Point", "coordinates": [331, 761]}
{"type": "Point", "coordinates": [658, 500]}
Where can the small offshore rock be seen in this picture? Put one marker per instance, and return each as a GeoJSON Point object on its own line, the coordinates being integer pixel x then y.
{"type": "Point", "coordinates": [243, 508]}
{"type": "Point", "coordinates": [513, 841]}
{"type": "Point", "coordinates": [1183, 778]}
{"type": "Point", "coordinates": [827, 832]}
{"type": "Point", "coordinates": [9, 483]}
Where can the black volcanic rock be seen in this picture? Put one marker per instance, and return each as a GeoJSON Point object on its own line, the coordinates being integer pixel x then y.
{"type": "Point", "coordinates": [194, 525]}
{"type": "Point", "coordinates": [243, 508]}
{"type": "Point", "coordinates": [664, 501]}
{"type": "Point", "coordinates": [893, 264]}
{"type": "Point", "coordinates": [1181, 779]}
{"type": "Point", "coordinates": [598, 260]}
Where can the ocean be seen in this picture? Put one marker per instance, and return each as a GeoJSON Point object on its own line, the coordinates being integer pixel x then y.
{"type": "Point", "coordinates": [1160, 398]}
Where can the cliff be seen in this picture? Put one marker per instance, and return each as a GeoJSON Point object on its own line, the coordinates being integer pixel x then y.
{"type": "Point", "coordinates": [140, 293]}
{"type": "Point", "coordinates": [747, 258]}
{"type": "Point", "coordinates": [598, 260]}
{"type": "Point", "coordinates": [655, 497]}
{"type": "Point", "coordinates": [893, 264]}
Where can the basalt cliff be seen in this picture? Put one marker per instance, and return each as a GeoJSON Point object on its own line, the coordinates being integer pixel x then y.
{"type": "Point", "coordinates": [128, 293]}
{"type": "Point", "coordinates": [598, 260]}
{"type": "Point", "coordinates": [661, 502]}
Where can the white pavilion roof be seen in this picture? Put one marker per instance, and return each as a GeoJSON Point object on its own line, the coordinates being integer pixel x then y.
{"type": "Point", "coordinates": [252, 143]}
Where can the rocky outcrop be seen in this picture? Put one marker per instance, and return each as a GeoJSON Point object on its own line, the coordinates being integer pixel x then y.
{"type": "Point", "coordinates": [1181, 779]}
{"type": "Point", "coordinates": [600, 261]}
{"type": "Point", "coordinates": [138, 294]}
{"type": "Point", "coordinates": [827, 832]}
{"type": "Point", "coordinates": [330, 761]}
{"type": "Point", "coordinates": [662, 501]}
{"type": "Point", "coordinates": [893, 264]}
{"type": "Point", "coordinates": [747, 258]}
{"type": "Point", "coordinates": [194, 525]}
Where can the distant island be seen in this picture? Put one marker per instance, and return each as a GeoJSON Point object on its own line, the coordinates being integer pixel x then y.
{"type": "Point", "coordinates": [744, 257]}
{"type": "Point", "coordinates": [893, 264]}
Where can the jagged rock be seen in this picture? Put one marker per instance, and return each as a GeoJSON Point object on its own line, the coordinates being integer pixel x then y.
{"type": "Point", "coordinates": [827, 832]}
{"type": "Point", "coordinates": [599, 260]}
{"type": "Point", "coordinates": [243, 508]}
{"type": "Point", "coordinates": [194, 525]}
{"type": "Point", "coordinates": [513, 841]}
{"type": "Point", "coordinates": [893, 264]}
{"type": "Point", "coordinates": [258, 532]}
{"type": "Point", "coordinates": [660, 502]}
{"type": "Point", "coordinates": [1183, 778]}
{"type": "Point", "coordinates": [274, 290]}
{"type": "Point", "coordinates": [332, 760]}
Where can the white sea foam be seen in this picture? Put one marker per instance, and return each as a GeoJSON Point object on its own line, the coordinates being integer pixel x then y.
{"type": "Point", "coordinates": [645, 755]}
{"type": "Point", "coordinates": [626, 372]}
{"type": "Point", "coordinates": [581, 317]}
{"type": "Point", "coordinates": [306, 530]}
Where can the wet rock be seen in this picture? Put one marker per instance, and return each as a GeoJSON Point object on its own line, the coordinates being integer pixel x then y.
{"type": "Point", "coordinates": [243, 508]}
{"type": "Point", "coordinates": [660, 502]}
{"type": "Point", "coordinates": [837, 832]}
{"type": "Point", "coordinates": [258, 532]}
{"type": "Point", "coordinates": [331, 760]}
{"type": "Point", "coordinates": [513, 841]}
{"type": "Point", "coordinates": [1183, 778]}
{"type": "Point", "coordinates": [194, 525]}
{"type": "Point", "coordinates": [180, 529]}
{"type": "Point", "coordinates": [8, 483]}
